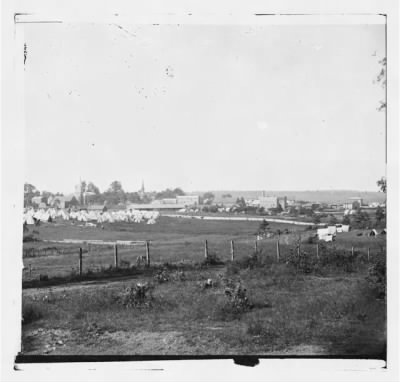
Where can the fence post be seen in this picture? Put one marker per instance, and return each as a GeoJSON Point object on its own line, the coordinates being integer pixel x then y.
{"type": "Point", "coordinates": [317, 251]}
{"type": "Point", "coordinates": [232, 250]}
{"type": "Point", "coordinates": [30, 270]}
{"type": "Point", "coordinates": [298, 250]}
{"type": "Point", "coordinates": [116, 255]}
{"type": "Point", "coordinates": [368, 253]}
{"type": "Point", "coordinates": [256, 246]}
{"type": "Point", "coordinates": [147, 254]}
{"type": "Point", "coordinates": [206, 250]}
{"type": "Point", "coordinates": [80, 261]}
{"type": "Point", "coordinates": [278, 251]}
{"type": "Point", "coordinates": [352, 251]}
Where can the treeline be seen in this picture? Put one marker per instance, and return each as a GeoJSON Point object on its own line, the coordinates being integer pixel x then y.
{"type": "Point", "coordinates": [90, 194]}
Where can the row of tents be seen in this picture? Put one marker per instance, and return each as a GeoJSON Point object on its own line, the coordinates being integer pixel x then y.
{"type": "Point", "coordinates": [32, 216]}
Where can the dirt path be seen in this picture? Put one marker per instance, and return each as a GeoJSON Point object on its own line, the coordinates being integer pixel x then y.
{"type": "Point", "coordinates": [30, 292]}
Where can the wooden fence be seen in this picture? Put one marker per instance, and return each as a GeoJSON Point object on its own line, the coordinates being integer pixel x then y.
{"type": "Point", "coordinates": [230, 250]}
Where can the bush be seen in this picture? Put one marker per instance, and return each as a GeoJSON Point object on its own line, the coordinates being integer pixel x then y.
{"type": "Point", "coordinates": [161, 276]}
{"type": "Point", "coordinates": [303, 261]}
{"type": "Point", "coordinates": [124, 264]}
{"type": "Point", "coordinates": [212, 259]}
{"type": "Point", "coordinates": [235, 303]}
{"type": "Point", "coordinates": [30, 312]}
{"type": "Point", "coordinates": [252, 261]}
{"type": "Point", "coordinates": [137, 296]}
{"type": "Point", "coordinates": [377, 278]}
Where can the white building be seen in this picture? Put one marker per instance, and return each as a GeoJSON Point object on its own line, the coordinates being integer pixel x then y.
{"type": "Point", "coordinates": [188, 200]}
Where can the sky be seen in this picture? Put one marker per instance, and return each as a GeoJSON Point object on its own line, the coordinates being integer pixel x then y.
{"type": "Point", "coordinates": [204, 107]}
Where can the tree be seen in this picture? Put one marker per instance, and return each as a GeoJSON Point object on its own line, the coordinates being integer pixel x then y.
{"type": "Point", "coordinates": [208, 197]}
{"type": "Point", "coordinates": [316, 218]}
{"type": "Point", "coordinates": [115, 187]}
{"type": "Point", "coordinates": [241, 202]}
{"type": "Point", "coordinates": [382, 184]}
{"type": "Point", "coordinates": [74, 202]}
{"type": "Point", "coordinates": [226, 196]}
{"type": "Point", "coordinates": [381, 79]}
{"type": "Point", "coordinates": [29, 192]}
{"type": "Point", "coordinates": [380, 216]}
{"type": "Point", "coordinates": [169, 193]}
{"type": "Point", "coordinates": [361, 219]}
{"type": "Point", "coordinates": [332, 220]}
{"type": "Point", "coordinates": [346, 220]}
{"type": "Point", "coordinates": [264, 225]}
{"type": "Point", "coordinates": [91, 187]}
{"type": "Point", "coordinates": [178, 192]}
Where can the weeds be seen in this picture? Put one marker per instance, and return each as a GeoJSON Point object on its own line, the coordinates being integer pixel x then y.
{"type": "Point", "coordinates": [377, 278]}
{"type": "Point", "coordinates": [137, 296]}
{"type": "Point", "coordinates": [31, 312]}
{"type": "Point", "coordinates": [212, 259]}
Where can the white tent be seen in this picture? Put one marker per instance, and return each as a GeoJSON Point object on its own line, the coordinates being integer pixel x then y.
{"type": "Point", "coordinates": [332, 230]}
{"type": "Point", "coordinates": [345, 228]}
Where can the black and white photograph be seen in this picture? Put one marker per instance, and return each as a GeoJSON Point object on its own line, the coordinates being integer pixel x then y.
{"type": "Point", "coordinates": [208, 189]}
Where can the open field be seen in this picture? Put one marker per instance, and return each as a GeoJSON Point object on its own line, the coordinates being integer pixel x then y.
{"type": "Point", "coordinates": [301, 305]}
{"type": "Point", "coordinates": [172, 240]}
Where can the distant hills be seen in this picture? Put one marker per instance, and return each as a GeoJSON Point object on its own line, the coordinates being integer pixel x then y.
{"type": "Point", "coordinates": [323, 196]}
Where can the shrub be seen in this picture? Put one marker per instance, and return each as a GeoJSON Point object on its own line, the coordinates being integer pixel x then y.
{"type": "Point", "coordinates": [138, 295]}
{"type": "Point", "coordinates": [124, 264]}
{"type": "Point", "coordinates": [28, 238]}
{"type": "Point", "coordinates": [232, 269]}
{"type": "Point", "coordinates": [212, 259]}
{"type": "Point", "coordinates": [161, 276]}
{"type": "Point", "coordinates": [377, 278]}
{"type": "Point", "coordinates": [31, 312]}
{"type": "Point", "coordinates": [251, 261]}
{"type": "Point", "coordinates": [303, 261]}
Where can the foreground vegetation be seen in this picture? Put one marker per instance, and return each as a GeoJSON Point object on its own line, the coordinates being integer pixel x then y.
{"type": "Point", "coordinates": [334, 306]}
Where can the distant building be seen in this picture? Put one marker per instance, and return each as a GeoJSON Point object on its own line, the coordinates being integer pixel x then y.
{"type": "Point", "coordinates": [142, 192]}
{"type": "Point", "coordinates": [188, 200]}
{"type": "Point", "coordinates": [169, 201]}
{"type": "Point", "coordinates": [283, 202]}
{"type": "Point", "coordinates": [353, 203]}
{"type": "Point", "coordinates": [268, 202]}
{"type": "Point", "coordinates": [155, 206]}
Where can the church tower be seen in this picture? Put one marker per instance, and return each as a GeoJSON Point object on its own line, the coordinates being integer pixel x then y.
{"type": "Point", "coordinates": [142, 191]}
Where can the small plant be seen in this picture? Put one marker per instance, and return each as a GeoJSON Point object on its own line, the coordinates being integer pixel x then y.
{"type": "Point", "coordinates": [124, 264]}
{"type": "Point", "coordinates": [179, 276]}
{"type": "Point", "coordinates": [137, 296]}
{"type": "Point", "coordinates": [237, 297]}
{"type": "Point", "coordinates": [162, 276]}
{"type": "Point", "coordinates": [212, 259]}
{"type": "Point", "coordinates": [377, 278]}
{"type": "Point", "coordinates": [251, 261]}
{"type": "Point", "coordinates": [31, 312]}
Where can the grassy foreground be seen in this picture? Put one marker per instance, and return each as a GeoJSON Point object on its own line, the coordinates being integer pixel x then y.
{"type": "Point", "coordinates": [278, 309]}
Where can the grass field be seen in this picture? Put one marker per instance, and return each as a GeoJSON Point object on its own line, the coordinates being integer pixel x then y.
{"type": "Point", "coordinates": [301, 305]}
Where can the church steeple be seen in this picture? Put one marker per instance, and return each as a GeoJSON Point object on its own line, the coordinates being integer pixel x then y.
{"type": "Point", "coordinates": [141, 191]}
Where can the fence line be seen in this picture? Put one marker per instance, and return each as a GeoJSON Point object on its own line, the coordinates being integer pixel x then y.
{"type": "Point", "coordinates": [233, 249]}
